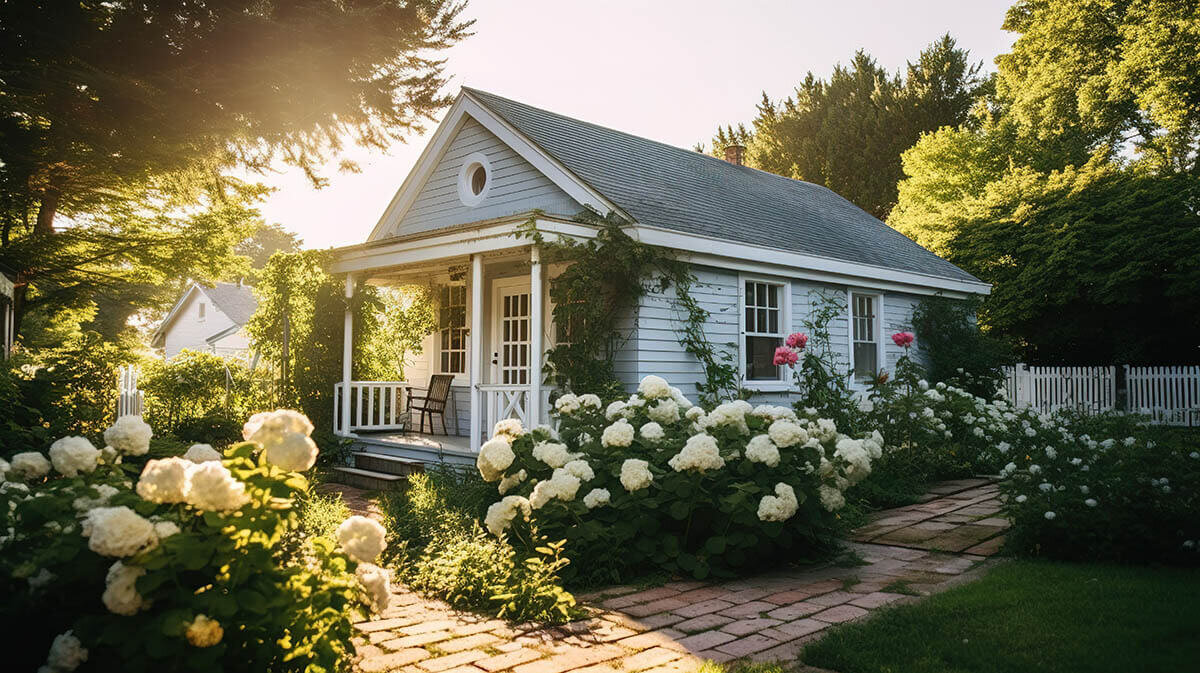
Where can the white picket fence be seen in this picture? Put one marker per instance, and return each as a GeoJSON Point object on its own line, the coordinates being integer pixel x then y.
{"type": "Point", "coordinates": [1168, 395]}
{"type": "Point", "coordinates": [129, 398]}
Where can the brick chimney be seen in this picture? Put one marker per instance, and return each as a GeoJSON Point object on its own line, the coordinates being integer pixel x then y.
{"type": "Point", "coordinates": [735, 153]}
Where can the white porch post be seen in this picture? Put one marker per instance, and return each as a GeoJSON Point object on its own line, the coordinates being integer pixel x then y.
{"type": "Point", "coordinates": [477, 349]}
{"type": "Point", "coordinates": [535, 337]}
{"type": "Point", "coordinates": [347, 355]}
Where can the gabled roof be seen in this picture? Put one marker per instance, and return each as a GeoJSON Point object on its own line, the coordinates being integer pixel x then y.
{"type": "Point", "coordinates": [673, 188]}
{"type": "Point", "coordinates": [235, 300]}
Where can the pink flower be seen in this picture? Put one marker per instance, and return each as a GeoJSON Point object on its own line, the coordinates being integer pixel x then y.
{"type": "Point", "coordinates": [903, 339]}
{"type": "Point", "coordinates": [786, 356]}
{"type": "Point", "coordinates": [797, 340]}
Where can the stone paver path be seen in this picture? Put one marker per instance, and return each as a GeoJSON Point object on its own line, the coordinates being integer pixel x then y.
{"type": "Point", "coordinates": [674, 628]}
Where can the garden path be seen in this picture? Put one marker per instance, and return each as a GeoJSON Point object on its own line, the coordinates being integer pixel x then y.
{"type": "Point", "coordinates": [903, 553]}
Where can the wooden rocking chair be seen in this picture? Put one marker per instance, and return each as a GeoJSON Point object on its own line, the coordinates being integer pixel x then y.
{"type": "Point", "coordinates": [432, 402]}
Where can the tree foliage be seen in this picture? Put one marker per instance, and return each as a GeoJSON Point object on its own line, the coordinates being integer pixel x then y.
{"type": "Point", "coordinates": [847, 132]}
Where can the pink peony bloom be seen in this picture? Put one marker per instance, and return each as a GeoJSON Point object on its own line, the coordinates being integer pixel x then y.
{"type": "Point", "coordinates": [786, 356]}
{"type": "Point", "coordinates": [797, 340]}
{"type": "Point", "coordinates": [903, 339]}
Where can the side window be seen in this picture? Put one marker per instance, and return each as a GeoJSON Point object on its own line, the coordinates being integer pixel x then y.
{"type": "Point", "coordinates": [764, 329]}
{"type": "Point", "coordinates": [452, 330]}
{"type": "Point", "coordinates": [201, 311]}
{"type": "Point", "coordinates": [865, 324]}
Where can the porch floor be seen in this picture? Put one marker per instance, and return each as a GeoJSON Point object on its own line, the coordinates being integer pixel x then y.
{"type": "Point", "coordinates": [418, 445]}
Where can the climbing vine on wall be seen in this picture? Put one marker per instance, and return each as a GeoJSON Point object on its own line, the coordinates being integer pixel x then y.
{"type": "Point", "coordinates": [594, 297]}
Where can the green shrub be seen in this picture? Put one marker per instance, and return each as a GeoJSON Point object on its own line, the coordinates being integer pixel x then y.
{"type": "Point", "coordinates": [320, 515]}
{"type": "Point", "coordinates": [215, 428]}
{"type": "Point", "coordinates": [653, 483]}
{"type": "Point", "coordinates": [955, 350]}
{"type": "Point", "coordinates": [1107, 493]}
{"type": "Point", "coordinates": [198, 395]}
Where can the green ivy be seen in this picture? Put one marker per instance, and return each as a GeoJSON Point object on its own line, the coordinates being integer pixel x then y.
{"type": "Point", "coordinates": [594, 298]}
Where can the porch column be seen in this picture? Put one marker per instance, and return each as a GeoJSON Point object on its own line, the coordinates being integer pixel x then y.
{"type": "Point", "coordinates": [347, 355]}
{"type": "Point", "coordinates": [535, 337]}
{"type": "Point", "coordinates": [477, 349]}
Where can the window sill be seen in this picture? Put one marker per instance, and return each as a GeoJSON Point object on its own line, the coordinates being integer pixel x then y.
{"type": "Point", "coordinates": [767, 386]}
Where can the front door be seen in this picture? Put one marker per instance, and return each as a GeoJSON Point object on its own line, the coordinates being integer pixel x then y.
{"type": "Point", "coordinates": [511, 353]}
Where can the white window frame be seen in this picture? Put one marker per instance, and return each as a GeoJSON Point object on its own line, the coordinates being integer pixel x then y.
{"type": "Point", "coordinates": [784, 382]}
{"type": "Point", "coordinates": [879, 349]}
{"type": "Point", "coordinates": [466, 329]}
{"type": "Point", "coordinates": [201, 311]}
{"type": "Point", "coordinates": [465, 194]}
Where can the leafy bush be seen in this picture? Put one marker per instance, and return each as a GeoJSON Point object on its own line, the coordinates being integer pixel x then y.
{"type": "Point", "coordinates": [320, 515]}
{"type": "Point", "coordinates": [1112, 494]}
{"type": "Point", "coordinates": [213, 428]}
{"type": "Point", "coordinates": [435, 541]}
{"type": "Point", "coordinates": [955, 350]}
{"type": "Point", "coordinates": [195, 389]}
{"type": "Point", "coordinates": [200, 580]}
{"type": "Point", "coordinates": [655, 483]}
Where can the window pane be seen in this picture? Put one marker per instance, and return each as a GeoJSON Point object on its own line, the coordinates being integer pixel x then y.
{"type": "Point", "coordinates": [760, 294]}
{"type": "Point", "coordinates": [749, 293]}
{"type": "Point", "coordinates": [773, 296]}
{"type": "Point", "coordinates": [750, 324]}
{"type": "Point", "coordinates": [760, 356]}
{"type": "Point", "coordinates": [774, 326]}
{"type": "Point", "coordinates": [865, 360]}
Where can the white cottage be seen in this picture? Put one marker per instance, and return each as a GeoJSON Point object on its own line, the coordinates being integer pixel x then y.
{"type": "Point", "coordinates": [757, 242]}
{"type": "Point", "coordinates": [209, 319]}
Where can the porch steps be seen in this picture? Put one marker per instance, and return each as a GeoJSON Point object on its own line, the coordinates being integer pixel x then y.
{"type": "Point", "coordinates": [376, 471]}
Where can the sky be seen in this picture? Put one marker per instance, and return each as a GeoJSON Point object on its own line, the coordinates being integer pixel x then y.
{"type": "Point", "coordinates": [667, 70]}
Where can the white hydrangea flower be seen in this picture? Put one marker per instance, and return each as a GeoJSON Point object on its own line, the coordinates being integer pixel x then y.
{"type": "Point", "coordinates": [501, 514]}
{"type": "Point", "coordinates": [511, 481]}
{"type": "Point", "coordinates": [1022, 498]}
{"type": "Point", "coordinates": [72, 455]}
{"type": "Point", "coordinates": [509, 427]}
{"type": "Point", "coordinates": [654, 387]}
{"type": "Point", "coordinates": [858, 461]}
{"type": "Point", "coordinates": [252, 425]}
{"type": "Point", "coordinates": [729, 413]}
{"type": "Point", "coordinates": [590, 401]}
{"type": "Point", "coordinates": [694, 414]}
{"type": "Point", "coordinates": [699, 453]}
{"type": "Point", "coordinates": [831, 498]}
{"type": "Point", "coordinates": [495, 456]}
{"type": "Point", "coordinates": [5, 466]}
{"type": "Point", "coordinates": [554, 454]}
{"type": "Point", "coordinates": [130, 435]}
{"type": "Point", "coordinates": [580, 469]}
{"type": "Point", "coordinates": [165, 529]}
{"type": "Point", "coordinates": [760, 449]}
{"type": "Point", "coordinates": [119, 531]}
{"type": "Point", "coordinates": [618, 434]}
{"type": "Point", "coordinates": [614, 409]}
{"type": "Point", "coordinates": [652, 431]}
{"type": "Point", "coordinates": [204, 631]}
{"type": "Point", "coordinates": [635, 474]}
{"type": "Point", "coordinates": [214, 488]}
{"type": "Point", "coordinates": [665, 411]}
{"type": "Point", "coordinates": [597, 497]}
{"type": "Point", "coordinates": [165, 480]}
{"type": "Point", "coordinates": [635, 401]}
{"type": "Point", "coordinates": [567, 404]}
{"type": "Point", "coordinates": [561, 485]}
{"type": "Point", "coordinates": [376, 582]}
{"type": "Point", "coordinates": [1049, 516]}
{"type": "Point", "coordinates": [202, 453]}
{"type": "Point", "coordinates": [66, 654]}
{"type": "Point", "coordinates": [104, 494]}
{"type": "Point", "coordinates": [874, 444]}
{"type": "Point", "coordinates": [787, 433]}
{"type": "Point", "coordinates": [680, 399]}
{"type": "Point", "coordinates": [362, 539]}
{"type": "Point", "coordinates": [779, 507]}
{"type": "Point", "coordinates": [120, 590]}
{"type": "Point", "coordinates": [263, 426]}
{"type": "Point", "coordinates": [28, 466]}
{"type": "Point", "coordinates": [1090, 502]}
{"type": "Point", "coordinates": [865, 404]}
{"type": "Point", "coordinates": [292, 451]}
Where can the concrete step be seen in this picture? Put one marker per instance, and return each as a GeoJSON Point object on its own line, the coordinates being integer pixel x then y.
{"type": "Point", "coordinates": [367, 479]}
{"type": "Point", "coordinates": [379, 462]}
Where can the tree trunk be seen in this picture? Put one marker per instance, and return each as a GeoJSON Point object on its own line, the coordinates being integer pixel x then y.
{"type": "Point", "coordinates": [47, 209]}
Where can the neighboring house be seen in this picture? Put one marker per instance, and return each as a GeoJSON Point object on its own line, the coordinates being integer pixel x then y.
{"type": "Point", "coordinates": [7, 311]}
{"type": "Point", "coordinates": [758, 242]}
{"type": "Point", "coordinates": [210, 319]}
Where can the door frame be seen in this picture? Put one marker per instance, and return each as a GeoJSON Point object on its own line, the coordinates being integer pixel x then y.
{"type": "Point", "coordinates": [498, 285]}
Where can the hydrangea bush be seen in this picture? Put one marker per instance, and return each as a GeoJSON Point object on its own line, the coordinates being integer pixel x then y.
{"type": "Point", "coordinates": [653, 482]}
{"type": "Point", "coordinates": [179, 563]}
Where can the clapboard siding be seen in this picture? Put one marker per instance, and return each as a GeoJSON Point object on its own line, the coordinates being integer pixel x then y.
{"type": "Point", "coordinates": [516, 186]}
{"type": "Point", "coordinates": [898, 317]}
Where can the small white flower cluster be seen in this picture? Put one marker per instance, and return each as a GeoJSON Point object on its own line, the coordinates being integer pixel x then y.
{"type": "Point", "coordinates": [554, 454]}
{"type": "Point", "coordinates": [635, 474]}
{"type": "Point", "coordinates": [66, 654]}
{"type": "Point", "coordinates": [120, 590]}
{"type": "Point", "coordinates": [495, 456]}
{"type": "Point", "coordinates": [620, 433]}
{"type": "Point", "coordinates": [779, 507]}
{"type": "Point", "coordinates": [597, 497]}
{"type": "Point", "coordinates": [208, 486]}
{"type": "Point", "coordinates": [760, 449]}
{"type": "Point", "coordinates": [363, 539]}
{"type": "Point", "coordinates": [73, 455]}
{"type": "Point", "coordinates": [699, 453]}
{"type": "Point", "coordinates": [561, 485]}
{"type": "Point", "coordinates": [285, 438]}
{"type": "Point", "coordinates": [377, 583]}
{"type": "Point", "coordinates": [118, 531]}
{"type": "Point", "coordinates": [204, 631]}
{"type": "Point", "coordinates": [130, 435]}
{"type": "Point", "coordinates": [500, 514]}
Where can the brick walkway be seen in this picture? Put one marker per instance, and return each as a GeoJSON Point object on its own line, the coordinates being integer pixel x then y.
{"type": "Point", "coordinates": [674, 628]}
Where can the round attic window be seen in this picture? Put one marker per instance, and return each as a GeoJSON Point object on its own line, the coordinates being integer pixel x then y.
{"type": "Point", "coordinates": [474, 179]}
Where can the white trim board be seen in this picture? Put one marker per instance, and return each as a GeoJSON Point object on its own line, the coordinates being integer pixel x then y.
{"type": "Point", "coordinates": [467, 106]}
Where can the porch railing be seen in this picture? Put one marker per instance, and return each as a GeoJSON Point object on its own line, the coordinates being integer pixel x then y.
{"type": "Point", "coordinates": [505, 401]}
{"type": "Point", "coordinates": [374, 405]}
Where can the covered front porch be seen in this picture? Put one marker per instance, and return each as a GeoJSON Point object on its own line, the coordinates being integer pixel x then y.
{"type": "Point", "coordinates": [483, 362]}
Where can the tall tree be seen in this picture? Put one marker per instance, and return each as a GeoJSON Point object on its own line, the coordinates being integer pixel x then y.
{"type": "Point", "coordinates": [97, 98]}
{"type": "Point", "coordinates": [847, 132]}
{"type": "Point", "coordinates": [266, 241]}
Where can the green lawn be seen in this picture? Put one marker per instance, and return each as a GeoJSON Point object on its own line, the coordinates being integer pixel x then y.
{"type": "Point", "coordinates": [1027, 617]}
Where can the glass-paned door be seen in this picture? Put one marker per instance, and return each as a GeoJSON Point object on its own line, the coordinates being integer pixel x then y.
{"type": "Point", "coordinates": [513, 330]}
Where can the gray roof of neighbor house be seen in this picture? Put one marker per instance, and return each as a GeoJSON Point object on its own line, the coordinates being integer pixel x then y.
{"type": "Point", "coordinates": [234, 299]}
{"type": "Point", "coordinates": [674, 188]}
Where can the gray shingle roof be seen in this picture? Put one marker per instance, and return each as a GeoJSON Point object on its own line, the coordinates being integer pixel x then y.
{"type": "Point", "coordinates": [674, 188]}
{"type": "Point", "coordinates": [234, 300]}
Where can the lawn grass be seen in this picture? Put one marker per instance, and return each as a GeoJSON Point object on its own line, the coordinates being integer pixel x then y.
{"type": "Point", "coordinates": [1029, 617]}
